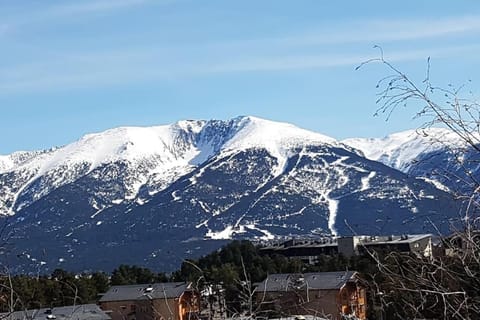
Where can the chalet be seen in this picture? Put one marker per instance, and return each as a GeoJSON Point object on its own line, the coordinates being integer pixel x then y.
{"type": "Point", "coordinates": [166, 301]}
{"type": "Point", "coordinates": [322, 294]}
{"type": "Point", "coordinates": [77, 312]}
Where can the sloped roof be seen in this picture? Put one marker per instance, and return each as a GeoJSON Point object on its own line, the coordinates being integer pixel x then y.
{"type": "Point", "coordinates": [315, 280]}
{"type": "Point", "coordinates": [276, 282]}
{"type": "Point", "coordinates": [78, 312]}
{"type": "Point", "coordinates": [138, 291]}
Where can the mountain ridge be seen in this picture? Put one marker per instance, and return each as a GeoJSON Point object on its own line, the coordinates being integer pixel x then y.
{"type": "Point", "coordinates": [436, 155]}
{"type": "Point", "coordinates": [400, 149]}
{"type": "Point", "coordinates": [160, 148]}
{"type": "Point", "coordinates": [203, 183]}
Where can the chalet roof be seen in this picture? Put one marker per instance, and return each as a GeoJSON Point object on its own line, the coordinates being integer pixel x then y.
{"type": "Point", "coordinates": [316, 280]}
{"type": "Point", "coordinates": [78, 312]}
{"type": "Point", "coordinates": [138, 291]}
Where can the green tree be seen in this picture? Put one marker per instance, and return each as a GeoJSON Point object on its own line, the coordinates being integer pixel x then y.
{"type": "Point", "coordinates": [101, 282]}
{"type": "Point", "coordinates": [126, 274]}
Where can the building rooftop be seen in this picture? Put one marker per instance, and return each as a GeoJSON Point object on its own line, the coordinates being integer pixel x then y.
{"type": "Point", "coordinates": [316, 280]}
{"type": "Point", "coordinates": [407, 238]}
{"type": "Point", "coordinates": [138, 291]}
{"type": "Point", "coordinates": [78, 312]}
{"type": "Point", "coordinates": [302, 243]}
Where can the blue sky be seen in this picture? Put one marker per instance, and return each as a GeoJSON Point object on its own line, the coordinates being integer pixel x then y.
{"type": "Point", "coordinates": [68, 68]}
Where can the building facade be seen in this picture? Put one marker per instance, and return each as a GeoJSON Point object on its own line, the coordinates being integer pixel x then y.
{"type": "Point", "coordinates": [332, 295]}
{"type": "Point", "coordinates": [309, 250]}
{"type": "Point", "coordinates": [76, 312]}
{"type": "Point", "coordinates": [420, 244]}
{"type": "Point", "coordinates": [158, 301]}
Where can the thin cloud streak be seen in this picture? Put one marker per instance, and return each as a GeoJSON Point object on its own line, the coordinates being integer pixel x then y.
{"type": "Point", "coordinates": [50, 14]}
{"type": "Point", "coordinates": [374, 31]}
{"type": "Point", "coordinates": [93, 7]}
{"type": "Point", "coordinates": [327, 61]}
{"type": "Point", "coordinates": [123, 70]}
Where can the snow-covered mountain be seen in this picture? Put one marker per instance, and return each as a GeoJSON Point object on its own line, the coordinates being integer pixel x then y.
{"type": "Point", "coordinates": [151, 157]}
{"type": "Point", "coordinates": [156, 195]}
{"type": "Point", "coordinates": [435, 154]}
{"type": "Point", "coordinates": [401, 150]}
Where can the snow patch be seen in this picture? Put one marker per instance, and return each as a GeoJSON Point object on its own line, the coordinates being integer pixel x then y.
{"type": "Point", "coordinates": [267, 235]}
{"type": "Point", "coordinates": [332, 208]}
{"type": "Point", "coordinates": [204, 206]}
{"type": "Point", "coordinates": [140, 201]}
{"type": "Point", "coordinates": [175, 196]}
{"type": "Point", "coordinates": [98, 212]}
{"type": "Point", "coordinates": [366, 181]}
{"type": "Point", "coordinates": [229, 231]}
{"type": "Point", "coordinates": [204, 223]}
{"type": "Point", "coordinates": [436, 184]}
{"type": "Point", "coordinates": [225, 234]}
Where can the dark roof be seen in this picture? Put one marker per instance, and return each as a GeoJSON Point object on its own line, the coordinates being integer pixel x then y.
{"type": "Point", "coordinates": [78, 312]}
{"type": "Point", "coordinates": [138, 291]}
{"type": "Point", "coordinates": [302, 243]}
{"type": "Point", "coordinates": [317, 280]}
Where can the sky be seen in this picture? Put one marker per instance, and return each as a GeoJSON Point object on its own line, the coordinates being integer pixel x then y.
{"type": "Point", "coordinates": [68, 68]}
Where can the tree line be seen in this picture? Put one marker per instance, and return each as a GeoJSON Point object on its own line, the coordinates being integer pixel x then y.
{"type": "Point", "coordinates": [396, 282]}
{"type": "Point", "coordinates": [232, 266]}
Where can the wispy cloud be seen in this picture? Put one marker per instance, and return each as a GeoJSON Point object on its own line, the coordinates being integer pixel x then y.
{"type": "Point", "coordinates": [374, 31]}
{"type": "Point", "coordinates": [50, 14]}
{"type": "Point", "coordinates": [409, 29]}
{"type": "Point", "coordinates": [117, 69]}
{"type": "Point", "coordinates": [323, 47]}
{"type": "Point", "coordinates": [299, 62]}
{"type": "Point", "coordinates": [92, 6]}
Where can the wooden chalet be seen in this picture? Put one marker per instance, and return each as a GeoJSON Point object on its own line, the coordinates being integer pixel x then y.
{"type": "Point", "coordinates": [322, 294]}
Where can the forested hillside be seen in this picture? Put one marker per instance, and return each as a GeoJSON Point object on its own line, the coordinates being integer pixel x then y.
{"type": "Point", "coordinates": [234, 266]}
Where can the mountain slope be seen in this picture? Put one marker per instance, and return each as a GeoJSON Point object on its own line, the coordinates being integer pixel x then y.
{"type": "Point", "coordinates": [400, 150]}
{"type": "Point", "coordinates": [435, 154]}
{"type": "Point", "coordinates": [150, 157]}
{"type": "Point", "coordinates": [155, 196]}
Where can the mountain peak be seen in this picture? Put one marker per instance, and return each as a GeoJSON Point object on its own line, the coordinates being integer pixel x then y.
{"type": "Point", "coordinates": [176, 187]}
{"type": "Point", "coordinates": [156, 155]}
{"type": "Point", "coordinates": [400, 149]}
{"type": "Point", "coordinates": [261, 132]}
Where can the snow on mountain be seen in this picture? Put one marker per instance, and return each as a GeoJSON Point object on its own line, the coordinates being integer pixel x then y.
{"type": "Point", "coordinates": [6, 163]}
{"type": "Point", "coordinates": [154, 156]}
{"type": "Point", "coordinates": [154, 148]}
{"type": "Point", "coordinates": [276, 137]}
{"type": "Point", "coordinates": [15, 159]}
{"type": "Point", "coordinates": [401, 150]}
{"type": "Point", "coordinates": [437, 156]}
{"type": "Point", "coordinates": [156, 195]}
